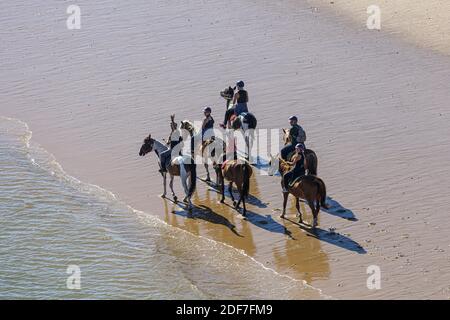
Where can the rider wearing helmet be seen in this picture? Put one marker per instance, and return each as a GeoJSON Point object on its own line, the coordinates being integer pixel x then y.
{"type": "Point", "coordinates": [299, 162]}
{"type": "Point", "coordinates": [240, 101]}
{"type": "Point", "coordinates": [173, 140]}
{"type": "Point", "coordinates": [297, 135]}
{"type": "Point", "coordinates": [208, 122]}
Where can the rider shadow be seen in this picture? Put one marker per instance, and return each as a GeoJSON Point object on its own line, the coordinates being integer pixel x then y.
{"type": "Point", "coordinates": [336, 209]}
{"type": "Point", "coordinates": [205, 213]}
{"type": "Point", "coordinates": [267, 223]}
{"type": "Point", "coordinates": [334, 238]}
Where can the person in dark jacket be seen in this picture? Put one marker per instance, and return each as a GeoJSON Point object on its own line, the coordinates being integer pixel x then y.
{"type": "Point", "coordinates": [297, 135]}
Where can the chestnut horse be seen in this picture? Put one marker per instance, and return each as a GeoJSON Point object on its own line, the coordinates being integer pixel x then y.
{"type": "Point", "coordinates": [238, 172]}
{"type": "Point", "coordinates": [311, 157]}
{"type": "Point", "coordinates": [308, 187]}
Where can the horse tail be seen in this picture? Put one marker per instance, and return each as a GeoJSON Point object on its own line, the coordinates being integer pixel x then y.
{"type": "Point", "coordinates": [246, 175]}
{"type": "Point", "coordinates": [311, 160]}
{"type": "Point", "coordinates": [322, 192]}
{"type": "Point", "coordinates": [193, 169]}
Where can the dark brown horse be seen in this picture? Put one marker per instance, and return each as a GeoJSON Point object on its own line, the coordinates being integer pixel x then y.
{"type": "Point", "coordinates": [308, 187]}
{"type": "Point", "coordinates": [237, 172]}
{"type": "Point", "coordinates": [311, 157]}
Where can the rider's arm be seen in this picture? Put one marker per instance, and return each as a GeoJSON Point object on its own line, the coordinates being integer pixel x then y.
{"type": "Point", "coordinates": [236, 96]}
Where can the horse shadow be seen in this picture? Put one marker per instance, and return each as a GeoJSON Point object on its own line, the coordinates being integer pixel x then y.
{"type": "Point", "coordinates": [267, 223]}
{"type": "Point", "coordinates": [205, 213]}
{"type": "Point", "coordinates": [330, 237]}
{"type": "Point", "coordinates": [249, 199]}
{"type": "Point", "coordinates": [336, 209]}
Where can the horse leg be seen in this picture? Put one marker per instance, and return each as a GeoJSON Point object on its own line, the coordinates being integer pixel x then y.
{"type": "Point", "coordinates": [312, 205]}
{"type": "Point", "coordinates": [299, 212]}
{"type": "Point", "coordinates": [208, 177]}
{"type": "Point", "coordinates": [171, 188]}
{"type": "Point", "coordinates": [165, 185]}
{"type": "Point", "coordinates": [222, 189]}
{"type": "Point", "coordinates": [184, 178]}
{"type": "Point", "coordinates": [285, 199]}
{"type": "Point", "coordinates": [243, 202]}
{"type": "Point", "coordinates": [230, 189]}
{"type": "Point", "coordinates": [240, 196]}
{"type": "Point", "coordinates": [316, 214]}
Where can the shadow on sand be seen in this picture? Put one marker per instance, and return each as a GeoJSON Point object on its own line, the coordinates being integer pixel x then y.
{"type": "Point", "coordinates": [203, 213]}
{"type": "Point", "coordinates": [338, 210]}
{"type": "Point", "coordinates": [267, 223]}
{"type": "Point", "coordinates": [334, 238]}
{"type": "Point", "coordinates": [250, 199]}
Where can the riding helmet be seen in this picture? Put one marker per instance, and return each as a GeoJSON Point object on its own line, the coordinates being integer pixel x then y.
{"type": "Point", "coordinates": [300, 146]}
{"type": "Point", "coordinates": [293, 118]}
{"type": "Point", "coordinates": [207, 109]}
{"type": "Point", "coordinates": [240, 84]}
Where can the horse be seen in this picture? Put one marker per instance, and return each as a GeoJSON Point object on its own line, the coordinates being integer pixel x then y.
{"type": "Point", "coordinates": [311, 157]}
{"type": "Point", "coordinates": [238, 172]}
{"type": "Point", "coordinates": [211, 145]}
{"type": "Point", "coordinates": [308, 187]}
{"type": "Point", "coordinates": [182, 166]}
{"type": "Point", "coordinates": [247, 123]}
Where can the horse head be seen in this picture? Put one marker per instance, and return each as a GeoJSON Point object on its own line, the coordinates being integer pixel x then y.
{"type": "Point", "coordinates": [286, 136]}
{"type": "Point", "coordinates": [147, 146]}
{"type": "Point", "coordinates": [274, 164]}
{"type": "Point", "coordinates": [227, 93]}
{"type": "Point", "coordinates": [188, 126]}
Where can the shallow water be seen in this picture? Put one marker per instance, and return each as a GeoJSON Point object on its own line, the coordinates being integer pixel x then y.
{"type": "Point", "coordinates": [51, 220]}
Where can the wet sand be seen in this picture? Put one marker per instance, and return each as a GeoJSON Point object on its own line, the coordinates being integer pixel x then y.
{"type": "Point", "coordinates": [375, 109]}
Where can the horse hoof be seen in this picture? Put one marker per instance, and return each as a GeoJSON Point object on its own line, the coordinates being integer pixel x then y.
{"type": "Point", "coordinates": [282, 216]}
{"type": "Point", "coordinates": [222, 201]}
{"type": "Point", "coordinates": [163, 196]}
{"type": "Point", "coordinates": [175, 199]}
{"type": "Point", "coordinates": [235, 204]}
{"type": "Point", "coordinates": [185, 200]}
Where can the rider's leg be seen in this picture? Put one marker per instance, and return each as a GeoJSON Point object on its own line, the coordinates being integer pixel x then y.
{"type": "Point", "coordinates": [164, 158]}
{"type": "Point", "coordinates": [228, 115]}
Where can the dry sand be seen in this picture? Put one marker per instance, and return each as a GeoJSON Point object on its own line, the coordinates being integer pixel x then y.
{"type": "Point", "coordinates": [424, 23]}
{"type": "Point", "coordinates": [375, 109]}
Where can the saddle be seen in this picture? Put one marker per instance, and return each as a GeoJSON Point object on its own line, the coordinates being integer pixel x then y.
{"type": "Point", "coordinates": [294, 181]}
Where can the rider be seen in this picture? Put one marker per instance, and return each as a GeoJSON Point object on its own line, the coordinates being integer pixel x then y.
{"type": "Point", "coordinates": [208, 122]}
{"type": "Point", "coordinates": [297, 135]}
{"type": "Point", "coordinates": [240, 101]}
{"type": "Point", "coordinates": [298, 160]}
{"type": "Point", "coordinates": [173, 140]}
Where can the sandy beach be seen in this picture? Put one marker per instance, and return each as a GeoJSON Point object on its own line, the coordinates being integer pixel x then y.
{"type": "Point", "coordinates": [374, 104]}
